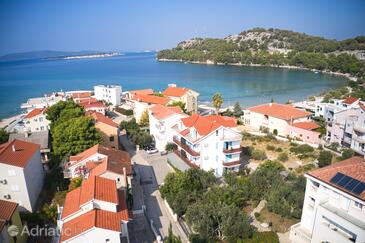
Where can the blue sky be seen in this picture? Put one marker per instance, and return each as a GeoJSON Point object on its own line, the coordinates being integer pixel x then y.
{"type": "Point", "coordinates": [127, 25]}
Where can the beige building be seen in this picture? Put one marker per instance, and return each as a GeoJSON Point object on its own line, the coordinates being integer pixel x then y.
{"type": "Point", "coordinates": [36, 121]}
{"type": "Point", "coordinates": [188, 96]}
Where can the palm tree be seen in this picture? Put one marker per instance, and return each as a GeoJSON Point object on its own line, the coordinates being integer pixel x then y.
{"type": "Point", "coordinates": [217, 102]}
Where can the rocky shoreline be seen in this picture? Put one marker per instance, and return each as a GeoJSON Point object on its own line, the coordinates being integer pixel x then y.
{"type": "Point", "coordinates": [209, 62]}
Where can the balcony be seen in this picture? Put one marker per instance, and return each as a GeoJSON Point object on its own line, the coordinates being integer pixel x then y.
{"type": "Point", "coordinates": [359, 129]}
{"type": "Point", "coordinates": [231, 138]}
{"type": "Point", "coordinates": [185, 147]}
{"type": "Point", "coordinates": [232, 150]}
{"type": "Point", "coordinates": [186, 160]}
{"type": "Point", "coordinates": [232, 163]}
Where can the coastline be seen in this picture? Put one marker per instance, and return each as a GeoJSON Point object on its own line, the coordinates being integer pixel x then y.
{"type": "Point", "coordinates": [209, 62]}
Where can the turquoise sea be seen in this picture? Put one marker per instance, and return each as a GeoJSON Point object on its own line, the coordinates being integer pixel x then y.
{"type": "Point", "coordinates": [20, 80]}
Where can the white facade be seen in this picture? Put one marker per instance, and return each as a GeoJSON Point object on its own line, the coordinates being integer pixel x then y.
{"type": "Point", "coordinates": [43, 102]}
{"type": "Point", "coordinates": [108, 93]}
{"type": "Point", "coordinates": [220, 150]}
{"type": "Point", "coordinates": [22, 185]}
{"type": "Point", "coordinates": [329, 215]}
{"type": "Point", "coordinates": [161, 129]}
{"type": "Point", "coordinates": [96, 235]}
{"type": "Point", "coordinates": [37, 123]}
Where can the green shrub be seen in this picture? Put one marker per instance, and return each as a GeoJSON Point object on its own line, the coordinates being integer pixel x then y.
{"type": "Point", "coordinates": [270, 147]}
{"type": "Point", "coordinates": [346, 154]}
{"type": "Point", "coordinates": [302, 149]}
{"type": "Point", "coordinates": [279, 150]}
{"type": "Point", "coordinates": [170, 146]}
{"type": "Point", "coordinates": [324, 158]}
{"type": "Point", "coordinates": [257, 215]}
{"type": "Point", "coordinates": [258, 154]}
{"type": "Point", "coordinates": [283, 157]}
{"type": "Point", "coordinates": [275, 132]}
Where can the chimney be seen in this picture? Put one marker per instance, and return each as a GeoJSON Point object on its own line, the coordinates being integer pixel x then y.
{"type": "Point", "coordinates": [26, 134]}
{"type": "Point", "coordinates": [270, 104]}
{"type": "Point", "coordinates": [13, 147]}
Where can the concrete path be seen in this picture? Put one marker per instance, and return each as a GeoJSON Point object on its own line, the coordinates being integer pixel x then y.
{"type": "Point", "coordinates": [255, 222]}
{"type": "Point", "coordinates": [284, 237]}
{"type": "Point", "coordinates": [145, 181]}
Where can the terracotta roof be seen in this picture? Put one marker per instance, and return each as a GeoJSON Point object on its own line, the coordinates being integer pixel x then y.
{"type": "Point", "coordinates": [161, 112]}
{"type": "Point", "coordinates": [94, 187]}
{"type": "Point", "coordinates": [23, 153]}
{"type": "Point", "coordinates": [114, 164]}
{"type": "Point", "coordinates": [205, 125]}
{"type": "Point", "coordinates": [87, 105]}
{"type": "Point", "coordinates": [350, 100]}
{"type": "Point", "coordinates": [84, 94]}
{"type": "Point", "coordinates": [175, 91]}
{"type": "Point", "coordinates": [152, 99]}
{"type": "Point", "coordinates": [88, 100]}
{"type": "Point", "coordinates": [85, 154]}
{"type": "Point", "coordinates": [306, 125]}
{"type": "Point", "coordinates": [225, 121]}
{"type": "Point", "coordinates": [7, 209]}
{"type": "Point", "coordinates": [35, 112]}
{"type": "Point", "coordinates": [285, 112]}
{"type": "Point", "coordinates": [353, 167]}
{"type": "Point", "coordinates": [142, 92]}
{"type": "Point", "coordinates": [98, 117]}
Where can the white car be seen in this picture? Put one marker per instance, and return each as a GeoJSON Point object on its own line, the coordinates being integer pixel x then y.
{"type": "Point", "coordinates": [152, 151]}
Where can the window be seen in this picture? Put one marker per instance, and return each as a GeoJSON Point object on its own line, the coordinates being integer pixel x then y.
{"type": "Point", "coordinates": [118, 179]}
{"type": "Point", "coordinates": [358, 205]}
{"type": "Point", "coordinates": [40, 119]}
{"type": "Point", "coordinates": [11, 172]}
{"type": "Point", "coordinates": [111, 139]}
{"type": "Point", "coordinates": [216, 145]}
{"type": "Point", "coordinates": [216, 133]}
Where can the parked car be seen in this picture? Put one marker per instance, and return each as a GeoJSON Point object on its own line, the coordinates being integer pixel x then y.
{"type": "Point", "coordinates": [152, 151]}
{"type": "Point", "coordinates": [164, 152]}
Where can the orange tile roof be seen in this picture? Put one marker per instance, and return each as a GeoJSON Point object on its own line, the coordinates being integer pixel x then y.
{"type": "Point", "coordinates": [309, 125]}
{"type": "Point", "coordinates": [85, 154]}
{"type": "Point", "coordinates": [285, 112]}
{"type": "Point", "coordinates": [152, 99]}
{"type": "Point", "coordinates": [350, 100]}
{"type": "Point", "coordinates": [35, 112]}
{"type": "Point", "coordinates": [226, 121]}
{"type": "Point", "coordinates": [99, 188]}
{"type": "Point", "coordinates": [98, 117]}
{"type": "Point", "coordinates": [142, 91]}
{"type": "Point", "coordinates": [72, 203]}
{"type": "Point", "coordinates": [87, 105]}
{"type": "Point", "coordinates": [7, 209]}
{"type": "Point", "coordinates": [161, 112]}
{"type": "Point", "coordinates": [205, 125]}
{"type": "Point", "coordinates": [78, 95]}
{"type": "Point", "coordinates": [115, 162]}
{"type": "Point", "coordinates": [89, 100]}
{"type": "Point", "coordinates": [23, 153]}
{"type": "Point", "coordinates": [353, 167]}
{"type": "Point", "coordinates": [175, 91]}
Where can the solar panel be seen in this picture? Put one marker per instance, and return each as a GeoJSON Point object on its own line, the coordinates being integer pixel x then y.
{"type": "Point", "coordinates": [337, 177]}
{"type": "Point", "coordinates": [346, 179]}
{"type": "Point", "coordinates": [359, 188]}
{"type": "Point", "coordinates": [352, 184]}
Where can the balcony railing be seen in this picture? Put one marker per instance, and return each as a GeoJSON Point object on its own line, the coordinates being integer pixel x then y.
{"type": "Point", "coordinates": [185, 147]}
{"type": "Point", "coordinates": [186, 160]}
{"type": "Point", "coordinates": [232, 163]}
{"type": "Point", "coordinates": [232, 150]}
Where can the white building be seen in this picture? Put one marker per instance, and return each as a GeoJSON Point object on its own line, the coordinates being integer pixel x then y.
{"type": "Point", "coordinates": [334, 204]}
{"type": "Point", "coordinates": [94, 212]}
{"type": "Point", "coordinates": [101, 161]}
{"type": "Point", "coordinates": [209, 143]}
{"type": "Point", "coordinates": [36, 121]}
{"type": "Point", "coordinates": [188, 96]}
{"type": "Point", "coordinates": [43, 102]}
{"type": "Point", "coordinates": [162, 119]}
{"type": "Point", "coordinates": [108, 93]}
{"type": "Point", "coordinates": [142, 102]}
{"type": "Point", "coordinates": [21, 173]}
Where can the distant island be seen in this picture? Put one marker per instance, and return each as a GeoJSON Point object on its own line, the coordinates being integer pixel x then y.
{"type": "Point", "coordinates": [277, 48]}
{"type": "Point", "coordinates": [57, 55]}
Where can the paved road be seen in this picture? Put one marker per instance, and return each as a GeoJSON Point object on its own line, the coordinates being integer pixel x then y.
{"type": "Point", "coordinates": [147, 168]}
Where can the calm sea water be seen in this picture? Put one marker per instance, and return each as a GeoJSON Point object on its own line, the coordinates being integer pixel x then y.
{"type": "Point", "coordinates": [20, 80]}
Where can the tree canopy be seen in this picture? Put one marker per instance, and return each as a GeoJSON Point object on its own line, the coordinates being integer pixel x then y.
{"type": "Point", "coordinates": [4, 136]}
{"type": "Point", "coordinates": [217, 101]}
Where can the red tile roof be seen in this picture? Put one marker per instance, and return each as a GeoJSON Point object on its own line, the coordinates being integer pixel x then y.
{"type": "Point", "coordinates": [350, 100]}
{"type": "Point", "coordinates": [205, 125]}
{"type": "Point", "coordinates": [285, 112]}
{"type": "Point", "coordinates": [353, 167]}
{"type": "Point", "coordinates": [22, 154]}
{"type": "Point", "coordinates": [98, 117]}
{"type": "Point", "coordinates": [7, 209]}
{"type": "Point", "coordinates": [85, 154]}
{"type": "Point", "coordinates": [142, 92]}
{"type": "Point", "coordinates": [306, 125]}
{"type": "Point", "coordinates": [226, 121]}
{"type": "Point", "coordinates": [94, 187]}
{"type": "Point", "coordinates": [175, 91]}
{"type": "Point", "coordinates": [87, 105]}
{"type": "Point", "coordinates": [35, 112]}
{"type": "Point", "coordinates": [79, 95]}
{"type": "Point", "coordinates": [152, 99]}
{"type": "Point", "coordinates": [162, 112]}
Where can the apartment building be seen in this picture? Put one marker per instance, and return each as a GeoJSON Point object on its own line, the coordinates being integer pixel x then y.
{"type": "Point", "coordinates": [93, 105]}
{"type": "Point", "coordinates": [79, 96]}
{"type": "Point", "coordinates": [101, 161]}
{"type": "Point", "coordinates": [21, 173]}
{"type": "Point", "coordinates": [108, 93]}
{"type": "Point", "coordinates": [94, 212]}
{"type": "Point", "coordinates": [334, 204]}
{"type": "Point", "coordinates": [188, 96]}
{"type": "Point", "coordinates": [36, 121]}
{"type": "Point", "coordinates": [108, 128]}
{"type": "Point", "coordinates": [142, 102]}
{"type": "Point", "coordinates": [162, 119]}
{"type": "Point", "coordinates": [348, 129]}
{"type": "Point", "coordinates": [9, 217]}
{"type": "Point", "coordinates": [43, 102]}
{"type": "Point", "coordinates": [209, 143]}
